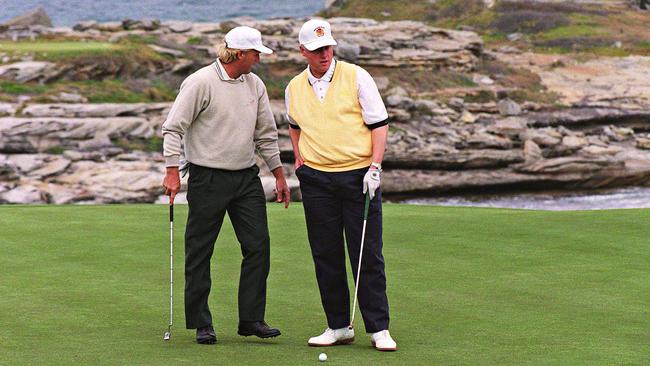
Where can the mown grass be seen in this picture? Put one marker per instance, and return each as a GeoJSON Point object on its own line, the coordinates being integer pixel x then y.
{"type": "Point", "coordinates": [58, 49]}
{"type": "Point", "coordinates": [89, 285]}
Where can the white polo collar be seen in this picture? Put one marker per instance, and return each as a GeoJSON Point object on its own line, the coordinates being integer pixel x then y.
{"type": "Point", "coordinates": [224, 75]}
{"type": "Point", "coordinates": [326, 77]}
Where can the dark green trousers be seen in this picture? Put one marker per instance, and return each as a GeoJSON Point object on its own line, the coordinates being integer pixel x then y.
{"type": "Point", "coordinates": [210, 194]}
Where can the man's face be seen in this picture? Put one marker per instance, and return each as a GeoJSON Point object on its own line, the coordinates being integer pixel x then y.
{"type": "Point", "coordinates": [319, 60]}
{"type": "Point", "coordinates": [249, 59]}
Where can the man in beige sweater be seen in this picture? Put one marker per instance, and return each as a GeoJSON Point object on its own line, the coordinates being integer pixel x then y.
{"type": "Point", "coordinates": [222, 113]}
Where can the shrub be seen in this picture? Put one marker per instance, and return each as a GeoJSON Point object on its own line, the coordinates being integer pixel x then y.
{"type": "Point", "coordinates": [527, 21]}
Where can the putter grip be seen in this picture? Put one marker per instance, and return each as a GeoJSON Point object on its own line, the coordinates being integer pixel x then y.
{"type": "Point", "coordinates": [171, 213]}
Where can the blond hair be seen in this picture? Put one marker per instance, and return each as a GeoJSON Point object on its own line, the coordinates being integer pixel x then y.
{"type": "Point", "coordinates": [226, 55]}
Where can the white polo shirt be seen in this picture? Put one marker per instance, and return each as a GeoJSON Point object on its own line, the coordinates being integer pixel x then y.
{"type": "Point", "coordinates": [373, 110]}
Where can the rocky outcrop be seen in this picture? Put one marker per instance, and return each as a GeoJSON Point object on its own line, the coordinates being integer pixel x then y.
{"type": "Point", "coordinates": [76, 152]}
{"type": "Point", "coordinates": [26, 71]}
{"type": "Point", "coordinates": [37, 16]}
{"type": "Point", "coordinates": [401, 44]}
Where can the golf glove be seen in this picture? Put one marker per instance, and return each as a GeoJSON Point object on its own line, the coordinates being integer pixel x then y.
{"type": "Point", "coordinates": [371, 182]}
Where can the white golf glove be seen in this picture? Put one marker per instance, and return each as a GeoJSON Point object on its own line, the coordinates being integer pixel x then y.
{"type": "Point", "coordinates": [371, 182]}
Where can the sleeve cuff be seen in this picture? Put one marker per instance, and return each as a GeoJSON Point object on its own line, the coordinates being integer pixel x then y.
{"type": "Point", "coordinates": [378, 124]}
{"type": "Point", "coordinates": [274, 162]}
{"type": "Point", "coordinates": [173, 160]}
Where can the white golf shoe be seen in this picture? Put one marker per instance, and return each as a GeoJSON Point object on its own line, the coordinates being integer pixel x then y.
{"type": "Point", "coordinates": [382, 341]}
{"type": "Point", "coordinates": [333, 337]}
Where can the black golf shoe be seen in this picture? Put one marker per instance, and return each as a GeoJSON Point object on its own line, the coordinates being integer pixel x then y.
{"type": "Point", "coordinates": [206, 335]}
{"type": "Point", "coordinates": [259, 329]}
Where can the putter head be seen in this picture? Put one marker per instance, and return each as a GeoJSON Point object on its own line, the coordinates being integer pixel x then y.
{"type": "Point", "coordinates": [167, 336]}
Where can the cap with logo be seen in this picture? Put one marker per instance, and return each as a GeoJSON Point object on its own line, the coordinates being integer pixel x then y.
{"type": "Point", "coordinates": [316, 33]}
{"type": "Point", "coordinates": [246, 38]}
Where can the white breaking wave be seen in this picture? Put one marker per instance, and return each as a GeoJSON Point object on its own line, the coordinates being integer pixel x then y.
{"type": "Point", "coordinates": [604, 200]}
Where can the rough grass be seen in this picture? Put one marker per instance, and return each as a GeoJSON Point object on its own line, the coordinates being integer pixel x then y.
{"type": "Point", "coordinates": [89, 285]}
{"type": "Point", "coordinates": [57, 50]}
{"type": "Point", "coordinates": [383, 10]}
{"type": "Point", "coordinates": [423, 79]}
{"type": "Point", "coordinates": [104, 91]}
{"type": "Point", "coordinates": [524, 85]}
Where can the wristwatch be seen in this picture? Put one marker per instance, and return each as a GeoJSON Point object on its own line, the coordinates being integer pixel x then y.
{"type": "Point", "coordinates": [376, 165]}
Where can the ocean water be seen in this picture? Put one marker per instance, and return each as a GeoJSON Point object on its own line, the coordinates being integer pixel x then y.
{"type": "Point", "coordinates": [633, 197]}
{"type": "Point", "coordinates": [69, 12]}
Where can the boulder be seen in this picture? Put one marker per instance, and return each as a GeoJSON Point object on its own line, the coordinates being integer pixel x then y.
{"type": "Point", "coordinates": [25, 71]}
{"type": "Point", "coordinates": [144, 24]}
{"type": "Point", "coordinates": [166, 51]}
{"type": "Point", "coordinates": [24, 194]}
{"type": "Point", "coordinates": [532, 152]}
{"type": "Point", "coordinates": [84, 25]}
{"type": "Point", "coordinates": [7, 109]}
{"type": "Point", "coordinates": [347, 50]}
{"type": "Point", "coordinates": [508, 107]}
{"type": "Point", "coordinates": [643, 143]}
{"type": "Point", "coordinates": [178, 27]}
{"type": "Point", "coordinates": [8, 169]}
{"type": "Point", "coordinates": [37, 16]}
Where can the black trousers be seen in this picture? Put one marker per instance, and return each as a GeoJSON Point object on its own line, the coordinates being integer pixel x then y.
{"type": "Point", "coordinates": [211, 193]}
{"type": "Point", "coordinates": [334, 205]}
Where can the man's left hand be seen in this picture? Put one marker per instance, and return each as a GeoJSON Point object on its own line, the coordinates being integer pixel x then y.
{"type": "Point", "coordinates": [371, 181]}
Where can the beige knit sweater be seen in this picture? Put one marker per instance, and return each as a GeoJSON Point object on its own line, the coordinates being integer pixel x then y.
{"type": "Point", "coordinates": [223, 122]}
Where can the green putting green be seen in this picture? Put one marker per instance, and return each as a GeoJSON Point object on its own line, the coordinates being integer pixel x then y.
{"type": "Point", "coordinates": [88, 285]}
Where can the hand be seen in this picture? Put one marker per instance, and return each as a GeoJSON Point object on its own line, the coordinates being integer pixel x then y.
{"type": "Point", "coordinates": [298, 163]}
{"type": "Point", "coordinates": [172, 183]}
{"type": "Point", "coordinates": [371, 181]}
{"type": "Point", "coordinates": [282, 192]}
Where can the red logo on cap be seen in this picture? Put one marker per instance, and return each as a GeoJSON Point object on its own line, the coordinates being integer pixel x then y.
{"type": "Point", "coordinates": [319, 31]}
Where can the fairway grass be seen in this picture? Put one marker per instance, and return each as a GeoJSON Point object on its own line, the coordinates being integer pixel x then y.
{"type": "Point", "coordinates": [58, 49]}
{"type": "Point", "coordinates": [88, 285]}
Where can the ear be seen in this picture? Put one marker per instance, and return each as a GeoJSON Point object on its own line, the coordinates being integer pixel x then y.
{"type": "Point", "coordinates": [303, 51]}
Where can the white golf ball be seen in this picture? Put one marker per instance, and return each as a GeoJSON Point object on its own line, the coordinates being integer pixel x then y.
{"type": "Point", "coordinates": [322, 357]}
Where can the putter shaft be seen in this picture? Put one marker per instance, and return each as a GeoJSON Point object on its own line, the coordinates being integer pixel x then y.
{"type": "Point", "coordinates": [363, 237]}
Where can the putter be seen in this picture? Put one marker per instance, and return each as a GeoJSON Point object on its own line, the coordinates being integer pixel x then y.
{"type": "Point", "coordinates": [363, 237]}
{"type": "Point", "coordinates": [168, 333]}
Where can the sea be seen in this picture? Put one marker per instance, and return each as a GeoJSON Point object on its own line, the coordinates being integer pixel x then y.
{"type": "Point", "coordinates": [69, 12]}
{"type": "Point", "coordinates": [622, 198]}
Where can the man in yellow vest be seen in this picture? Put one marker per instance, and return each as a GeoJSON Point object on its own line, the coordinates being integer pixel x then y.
{"type": "Point", "coordinates": [338, 128]}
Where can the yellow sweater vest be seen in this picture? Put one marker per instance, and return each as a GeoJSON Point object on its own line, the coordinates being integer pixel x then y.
{"type": "Point", "coordinates": [333, 135]}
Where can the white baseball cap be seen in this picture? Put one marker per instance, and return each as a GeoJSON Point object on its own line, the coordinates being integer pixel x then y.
{"type": "Point", "coordinates": [246, 38]}
{"type": "Point", "coordinates": [316, 33]}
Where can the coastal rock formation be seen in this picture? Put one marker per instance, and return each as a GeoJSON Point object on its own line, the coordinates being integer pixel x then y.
{"type": "Point", "coordinates": [73, 152]}
{"type": "Point", "coordinates": [36, 17]}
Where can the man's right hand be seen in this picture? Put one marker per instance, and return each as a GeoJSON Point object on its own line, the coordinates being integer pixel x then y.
{"type": "Point", "coordinates": [298, 163]}
{"type": "Point", "coordinates": [172, 183]}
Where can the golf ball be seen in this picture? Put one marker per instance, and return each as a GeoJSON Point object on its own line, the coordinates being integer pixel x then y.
{"type": "Point", "coordinates": [322, 357]}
